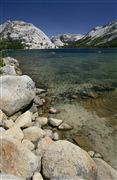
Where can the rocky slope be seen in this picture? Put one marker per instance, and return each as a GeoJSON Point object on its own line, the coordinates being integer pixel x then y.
{"type": "Point", "coordinates": [60, 40]}
{"type": "Point", "coordinates": [100, 36]}
{"type": "Point", "coordinates": [30, 35]}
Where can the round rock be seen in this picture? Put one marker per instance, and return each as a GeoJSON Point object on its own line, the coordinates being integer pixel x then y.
{"type": "Point", "coordinates": [65, 158]}
{"type": "Point", "coordinates": [17, 93]}
{"type": "Point", "coordinates": [15, 159]}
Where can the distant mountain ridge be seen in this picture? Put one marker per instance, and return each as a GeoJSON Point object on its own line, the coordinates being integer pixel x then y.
{"type": "Point", "coordinates": [61, 40]}
{"type": "Point", "coordinates": [100, 36]}
{"type": "Point", "coordinates": [33, 38]}
{"type": "Point", "coordinates": [30, 35]}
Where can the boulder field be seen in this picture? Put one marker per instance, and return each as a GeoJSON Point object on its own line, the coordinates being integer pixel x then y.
{"type": "Point", "coordinates": [30, 145]}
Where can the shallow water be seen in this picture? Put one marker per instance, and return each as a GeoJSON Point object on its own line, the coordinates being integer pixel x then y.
{"type": "Point", "coordinates": [65, 72]}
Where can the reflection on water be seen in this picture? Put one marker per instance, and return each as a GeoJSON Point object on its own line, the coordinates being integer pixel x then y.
{"type": "Point", "coordinates": [92, 74]}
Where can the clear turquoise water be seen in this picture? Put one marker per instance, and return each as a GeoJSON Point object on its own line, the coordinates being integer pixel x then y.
{"type": "Point", "coordinates": [64, 71]}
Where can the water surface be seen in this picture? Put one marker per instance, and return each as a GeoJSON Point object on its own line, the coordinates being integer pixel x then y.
{"type": "Point", "coordinates": [65, 72]}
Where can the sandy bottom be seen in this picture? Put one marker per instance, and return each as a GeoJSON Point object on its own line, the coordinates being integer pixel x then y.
{"type": "Point", "coordinates": [93, 132]}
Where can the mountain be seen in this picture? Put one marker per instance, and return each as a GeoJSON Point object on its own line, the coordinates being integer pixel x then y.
{"type": "Point", "coordinates": [100, 36]}
{"type": "Point", "coordinates": [31, 36]}
{"type": "Point", "coordinates": [63, 39]}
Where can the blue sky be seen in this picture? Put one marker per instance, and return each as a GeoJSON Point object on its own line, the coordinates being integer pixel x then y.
{"type": "Point", "coordinates": [60, 16]}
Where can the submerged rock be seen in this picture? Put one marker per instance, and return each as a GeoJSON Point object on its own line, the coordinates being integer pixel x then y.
{"type": "Point", "coordinates": [55, 122]}
{"type": "Point", "coordinates": [65, 127]}
{"type": "Point", "coordinates": [17, 93]}
{"type": "Point", "coordinates": [65, 158]}
{"type": "Point", "coordinates": [15, 159]}
{"type": "Point", "coordinates": [52, 110]}
{"type": "Point", "coordinates": [38, 101]}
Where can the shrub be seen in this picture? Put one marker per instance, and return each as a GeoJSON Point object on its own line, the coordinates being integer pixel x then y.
{"type": "Point", "coordinates": [11, 44]}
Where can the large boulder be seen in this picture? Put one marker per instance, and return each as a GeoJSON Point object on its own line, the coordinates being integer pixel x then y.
{"type": "Point", "coordinates": [104, 170]}
{"type": "Point", "coordinates": [16, 159]}
{"type": "Point", "coordinates": [17, 92]}
{"type": "Point", "coordinates": [67, 159]}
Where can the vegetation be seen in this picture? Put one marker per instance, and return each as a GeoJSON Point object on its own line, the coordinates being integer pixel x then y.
{"type": "Point", "coordinates": [1, 59]}
{"type": "Point", "coordinates": [11, 44]}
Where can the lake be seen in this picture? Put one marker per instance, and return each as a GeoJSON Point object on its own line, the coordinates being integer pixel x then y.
{"type": "Point", "coordinates": [82, 84]}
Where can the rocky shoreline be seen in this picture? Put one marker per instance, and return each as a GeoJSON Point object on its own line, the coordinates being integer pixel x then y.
{"type": "Point", "coordinates": [31, 150]}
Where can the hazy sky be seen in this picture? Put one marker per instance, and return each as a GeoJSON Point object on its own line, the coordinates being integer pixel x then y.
{"type": "Point", "coordinates": [60, 16]}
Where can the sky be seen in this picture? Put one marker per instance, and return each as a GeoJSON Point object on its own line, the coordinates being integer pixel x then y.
{"type": "Point", "coordinates": [60, 16]}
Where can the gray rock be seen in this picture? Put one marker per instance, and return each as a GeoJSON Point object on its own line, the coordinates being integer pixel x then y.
{"type": "Point", "coordinates": [42, 121]}
{"type": "Point", "coordinates": [8, 70]}
{"type": "Point", "coordinates": [25, 120]}
{"type": "Point", "coordinates": [10, 177]}
{"type": "Point", "coordinates": [28, 144]}
{"type": "Point", "coordinates": [56, 136]}
{"type": "Point", "coordinates": [39, 91]}
{"type": "Point", "coordinates": [17, 93]}
{"type": "Point", "coordinates": [10, 60]}
{"type": "Point", "coordinates": [2, 130]}
{"type": "Point", "coordinates": [65, 158]}
{"type": "Point", "coordinates": [33, 108]}
{"type": "Point", "coordinates": [38, 101]}
{"type": "Point", "coordinates": [16, 159]}
{"type": "Point", "coordinates": [65, 127]}
{"type": "Point", "coordinates": [91, 153]}
{"type": "Point", "coordinates": [55, 122]}
{"type": "Point", "coordinates": [43, 145]}
{"type": "Point", "coordinates": [9, 123]}
{"type": "Point", "coordinates": [14, 132]}
{"type": "Point", "coordinates": [104, 170]}
{"type": "Point", "coordinates": [3, 117]}
{"type": "Point", "coordinates": [98, 155]}
{"type": "Point", "coordinates": [34, 116]}
{"type": "Point", "coordinates": [49, 133]}
{"type": "Point", "coordinates": [53, 110]}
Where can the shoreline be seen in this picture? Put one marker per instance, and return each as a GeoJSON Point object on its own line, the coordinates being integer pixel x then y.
{"type": "Point", "coordinates": [37, 120]}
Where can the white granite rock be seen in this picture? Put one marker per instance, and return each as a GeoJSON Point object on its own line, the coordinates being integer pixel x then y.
{"type": "Point", "coordinates": [25, 120]}
{"type": "Point", "coordinates": [17, 93]}
{"type": "Point", "coordinates": [55, 122]}
{"type": "Point", "coordinates": [28, 144]}
{"type": "Point", "coordinates": [65, 158]}
{"type": "Point", "coordinates": [33, 133]}
{"type": "Point", "coordinates": [16, 159]}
